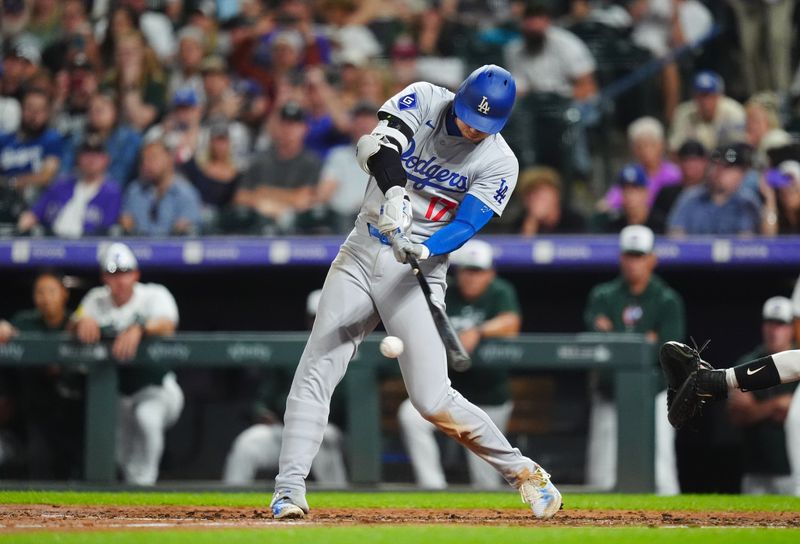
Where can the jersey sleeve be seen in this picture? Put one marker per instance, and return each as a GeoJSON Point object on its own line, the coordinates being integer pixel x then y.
{"type": "Point", "coordinates": [595, 306]}
{"type": "Point", "coordinates": [89, 306]}
{"type": "Point", "coordinates": [672, 321]}
{"type": "Point", "coordinates": [495, 184]}
{"type": "Point", "coordinates": [160, 304]}
{"type": "Point", "coordinates": [413, 104]}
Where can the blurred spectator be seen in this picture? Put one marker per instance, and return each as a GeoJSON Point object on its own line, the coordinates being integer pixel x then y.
{"type": "Point", "coordinates": [213, 170]}
{"type": "Point", "coordinates": [342, 182]}
{"type": "Point", "coordinates": [151, 400]}
{"type": "Point", "coordinates": [481, 306]}
{"type": "Point", "coordinates": [539, 188]}
{"type": "Point", "coordinates": [763, 127]}
{"type": "Point", "coordinates": [298, 15]}
{"type": "Point", "coordinates": [282, 180]}
{"type": "Point", "coordinates": [258, 447]}
{"type": "Point", "coordinates": [665, 26]}
{"type": "Point", "coordinates": [780, 190]}
{"type": "Point", "coordinates": [710, 117]}
{"type": "Point", "coordinates": [635, 210]}
{"type": "Point", "coordinates": [10, 110]}
{"type": "Point", "coordinates": [45, 21]}
{"type": "Point", "coordinates": [75, 38]}
{"type": "Point", "coordinates": [404, 55]}
{"type": "Point", "coordinates": [156, 27]}
{"type": "Point", "coordinates": [122, 20]}
{"type": "Point", "coordinates": [636, 301]}
{"type": "Point", "coordinates": [204, 16]}
{"type": "Point", "coordinates": [549, 59]}
{"type": "Point", "coordinates": [328, 121]}
{"type": "Point", "coordinates": [761, 414]}
{"type": "Point", "coordinates": [349, 39]}
{"type": "Point", "coordinates": [20, 64]}
{"type": "Point", "coordinates": [646, 141]}
{"type": "Point", "coordinates": [180, 128]}
{"type": "Point", "coordinates": [121, 141]}
{"type": "Point", "coordinates": [86, 204]}
{"type": "Point", "coordinates": [186, 70]}
{"type": "Point", "coordinates": [16, 14]}
{"type": "Point", "coordinates": [221, 99]}
{"type": "Point", "coordinates": [138, 80]}
{"type": "Point", "coordinates": [224, 102]}
{"type": "Point", "coordinates": [51, 397]}
{"type": "Point", "coordinates": [78, 85]}
{"type": "Point", "coordinates": [693, 164]}
{"type": "Point", "coordinates": [760, 23]}
{"type": "Point", "coordinates": [30, 157]}
{"type": "Point", "coordinates": [719, 206]}
{"type": "Point", "coordinates": [160, 202]}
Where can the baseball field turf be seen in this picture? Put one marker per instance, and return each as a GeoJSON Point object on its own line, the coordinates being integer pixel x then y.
{"type": "Point", "coordinates": [442, 518]}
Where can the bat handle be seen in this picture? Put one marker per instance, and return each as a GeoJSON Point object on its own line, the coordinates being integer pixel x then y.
{"type": "Point", "coordinates": [414, 263]}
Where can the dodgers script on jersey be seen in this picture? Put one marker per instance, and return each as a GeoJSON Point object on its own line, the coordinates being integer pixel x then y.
{"type": "Point", "coordinates": [442, 169]}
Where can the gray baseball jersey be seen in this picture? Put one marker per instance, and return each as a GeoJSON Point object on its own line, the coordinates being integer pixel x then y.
{"type": "Point", "coordinates": [443, 169]}
{"type": "Point", "coordinates": [366, 284]}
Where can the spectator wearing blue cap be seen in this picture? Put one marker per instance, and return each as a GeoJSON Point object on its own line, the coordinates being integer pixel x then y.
{"type": "Point", "coordinates": [635, 206]}
{"type": "Point", "coordinates": [721, 205]}
{"type": "Point", "coordinates": [711, 117]}
{"type": "Point", "coordinates": [646, 142]}
{"type": "Point", "coordinates": [180, 129]}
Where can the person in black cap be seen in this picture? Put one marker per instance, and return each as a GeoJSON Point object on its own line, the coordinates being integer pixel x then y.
{"type": "Point", "coordinates": [721, 205]}
{"type": "Point", "coordinates": [282, 181]}
{"type": "Point", "coordinates": [693, 162]}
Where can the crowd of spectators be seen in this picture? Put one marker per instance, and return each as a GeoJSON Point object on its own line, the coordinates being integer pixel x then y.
{"type": "Point", "coordinates": [182, 117]}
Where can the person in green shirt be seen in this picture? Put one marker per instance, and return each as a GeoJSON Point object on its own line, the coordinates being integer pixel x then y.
{"type": "Point", "coordinates": [480, 306]}
{"type": "Point", "coordinates": [761, 414]}
{"type": "Point", "coordinates": [641, 302]}
{"type": "Point", "coordinates": [50, 398]}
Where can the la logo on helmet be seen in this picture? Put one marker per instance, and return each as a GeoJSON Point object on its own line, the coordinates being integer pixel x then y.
{"type": "Point", "coordinates": [483, 107]}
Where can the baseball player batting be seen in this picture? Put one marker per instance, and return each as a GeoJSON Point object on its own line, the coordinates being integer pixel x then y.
{"type": "Point", "coordinates": [439, 158]}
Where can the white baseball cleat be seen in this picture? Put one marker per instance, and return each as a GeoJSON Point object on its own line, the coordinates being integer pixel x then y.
{"type": "Point", "coordinates": [283, 507]}
{"type": "Point", "coordinates": [540, 493]}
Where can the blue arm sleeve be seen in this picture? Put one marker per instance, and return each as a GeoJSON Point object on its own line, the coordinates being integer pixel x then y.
{"type": "Point", "coordinates": [471, 217]}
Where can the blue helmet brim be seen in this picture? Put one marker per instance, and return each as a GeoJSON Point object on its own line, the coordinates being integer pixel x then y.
{"type": "Point", "coordinates": [477, 120]}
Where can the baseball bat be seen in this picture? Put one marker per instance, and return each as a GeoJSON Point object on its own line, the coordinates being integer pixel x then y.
{"type": "Point", "coordinates": [457, 357]}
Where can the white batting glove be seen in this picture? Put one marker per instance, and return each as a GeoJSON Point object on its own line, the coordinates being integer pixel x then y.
{"type": "Point", "coordinates": [402, 247]}
{"type": "Point", "coordinates": [395, 214]}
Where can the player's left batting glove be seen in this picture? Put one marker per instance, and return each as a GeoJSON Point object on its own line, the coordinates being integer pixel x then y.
{"type": "Point", "coordinates": [403, 247]}
{"type": "Point", "coordinates": [395, 214]}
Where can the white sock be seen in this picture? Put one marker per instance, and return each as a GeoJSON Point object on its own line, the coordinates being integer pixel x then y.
{"type": "Point", "coordinates": [730, 377]}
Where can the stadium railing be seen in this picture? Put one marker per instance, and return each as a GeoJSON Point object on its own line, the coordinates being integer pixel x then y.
{"type": "Point", "coordinates": [628, 356]}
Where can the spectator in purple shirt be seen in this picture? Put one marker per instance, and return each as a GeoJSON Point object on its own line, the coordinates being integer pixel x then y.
{"type": "Point", "coordinates": [73, 206]}
{"type": "Point", "coordinates": [646, 139]}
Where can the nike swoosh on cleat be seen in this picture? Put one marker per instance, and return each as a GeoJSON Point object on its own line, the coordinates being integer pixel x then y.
{"type": "Point", "coordinates": [750, 371]}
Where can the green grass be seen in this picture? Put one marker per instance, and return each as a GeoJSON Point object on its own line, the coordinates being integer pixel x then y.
{"type": "Point", "coordinates": [437, 534]}
{"type": "Point", "coordinates": [410, 500]}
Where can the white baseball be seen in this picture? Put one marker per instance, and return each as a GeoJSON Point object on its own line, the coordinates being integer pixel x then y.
{"type": "Point", "coordinates": [391, 347]}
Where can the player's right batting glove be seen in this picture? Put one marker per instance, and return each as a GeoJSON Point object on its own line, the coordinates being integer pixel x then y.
{"type": "Point", "coordinates": [403, 247]}
{"type": "Point", "coordinates": [691, 382]}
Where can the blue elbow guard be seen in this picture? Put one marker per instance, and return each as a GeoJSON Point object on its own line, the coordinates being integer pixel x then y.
{"type": "Point", "coordinates": [471, 217]}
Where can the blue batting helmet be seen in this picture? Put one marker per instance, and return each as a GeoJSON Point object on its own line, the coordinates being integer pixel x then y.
{"type": "Point", "coordinates": [485, 99]}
